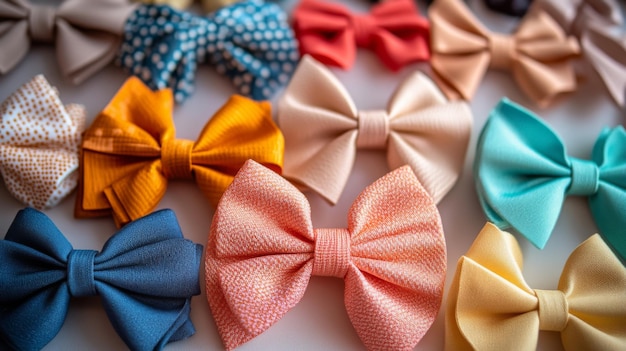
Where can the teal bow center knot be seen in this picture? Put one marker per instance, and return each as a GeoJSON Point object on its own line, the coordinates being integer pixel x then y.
{"type": "Point", "coordinates": [523, 175]}
{"type": "Point", "coordinates": [80, 273]}
{"type": "Point", "coordinates": [585, 177]}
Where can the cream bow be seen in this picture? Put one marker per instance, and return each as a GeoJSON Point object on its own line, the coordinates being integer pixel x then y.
{"type": "Point", "coordinates": [323, 130]}
{"type": "Point", "coordinates": [86, 33]}
{"type": "Point", "coordinates": [490, 306]}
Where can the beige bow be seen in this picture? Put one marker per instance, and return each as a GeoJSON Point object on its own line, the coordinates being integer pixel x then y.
{"type": "Point", "coordinates": [86, 33]}
{"type": "Point", "coordinates": [323, 130]}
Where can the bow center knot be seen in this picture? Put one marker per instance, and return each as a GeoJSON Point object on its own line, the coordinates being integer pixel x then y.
{"type": "Point", "coordinates": [41, 23]}
{"type": "Point", "coordinates": [364, 26]}
{"type": "Point", "coordinates": [373, 129]}
{"type": "Point", "coordinates": [332, 252]}
{"type": "Point", "coordinates": [176, 158]}
{"type": "Point", "coordinates": [585, 177]}
{"type": "Point", "coordinates": [502, 49]}
{"type": "Point", "coordinates": [553, 310]}
{"type": "Point", "coordinates": [80, 273]}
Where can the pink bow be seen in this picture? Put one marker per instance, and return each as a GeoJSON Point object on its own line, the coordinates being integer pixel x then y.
{"type": "Point", "coordinates": [394, 30]}
{"type": "Point", "coordinates": [262, 251]}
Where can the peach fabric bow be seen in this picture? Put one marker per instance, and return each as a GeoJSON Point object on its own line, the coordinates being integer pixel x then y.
{"type": "Point", "coordinates": [323, 130]}
{"type": "Point", "coordinates": [262, 251]}
{"type": "Point", "coordinates": [394, 30]}
{"type": "Point", "coordinates": [490, 306]}
{"type": "Point", "coordinates": [86, 33]}
{"type": "Point", "coordinates": [130, 151]}
{"type": "Point", "coordinates": [39, 141]}
{"type": "Point", "coordinates": [538, 54]}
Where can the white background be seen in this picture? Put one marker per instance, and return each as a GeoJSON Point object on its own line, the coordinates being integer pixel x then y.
{"type": "Point", "coordinates": [319, 321]}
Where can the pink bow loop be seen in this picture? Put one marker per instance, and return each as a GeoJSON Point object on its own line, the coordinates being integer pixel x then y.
{"type": "Point", "coordinates": [262, 251]}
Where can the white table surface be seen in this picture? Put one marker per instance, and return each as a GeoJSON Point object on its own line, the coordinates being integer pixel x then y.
{"type": "Point", "coordinates": [319, 321]}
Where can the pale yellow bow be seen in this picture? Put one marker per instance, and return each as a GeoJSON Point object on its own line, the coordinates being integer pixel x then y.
{"type": "Point", "coordinates": [490, 306]}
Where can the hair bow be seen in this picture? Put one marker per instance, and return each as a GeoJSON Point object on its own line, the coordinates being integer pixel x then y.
{"type": "Point", "coordinates": [491, 307]}
{"type": "Point", "coordinates": [262, 251]}
{"type": "Point", "coordinates": [509, 7]}
{"type": "Point", "coordinates": [249, 41]}
{"type": "Point", "coordinates": [130, 151]}
{"type": "Point", "coordinates": [592, 22]}
{"type": "Point", "coordinates": [394, 30]}
{"type": "Point", "coordinates": [323, 130]}
{"type": "Point", "coordinates": [39, 141]}
{"type": "Point", "coordinates": [145, 276]}
{"type": "Point", "coordinates": [86, 33]}
{"type": "Point", "coordinates": [538, 54]}
{"type": "Point", "coordinates": [523, 175]}
{"type": "Point", "coordinates": [208, 5]}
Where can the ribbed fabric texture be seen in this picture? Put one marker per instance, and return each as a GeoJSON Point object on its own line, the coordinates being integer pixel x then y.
{"type": "Point", "coordinates": [262, 251]}
{"type": "Point", "coordinates": [130, 152]}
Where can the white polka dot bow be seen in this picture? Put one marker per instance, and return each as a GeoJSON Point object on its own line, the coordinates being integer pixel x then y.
{"type": "Point", "coordinates": [250, 41]}
{"type": "Point", "coordinates": [39, 143]}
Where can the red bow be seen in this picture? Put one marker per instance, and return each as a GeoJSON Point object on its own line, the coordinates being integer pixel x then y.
{"type": "Point", "coordinates": [394, 30]}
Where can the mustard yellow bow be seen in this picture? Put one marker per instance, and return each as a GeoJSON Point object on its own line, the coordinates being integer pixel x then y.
{"type": "Point", "coordinates": [130, 151]}
{"type": "Point", "coordinates": [490, 306]}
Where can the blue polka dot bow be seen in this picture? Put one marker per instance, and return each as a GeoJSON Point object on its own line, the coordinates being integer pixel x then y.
{"type": "Point", "coordinates": [249, 41]}
{"type": "Point", "coordinates": [145, 275]}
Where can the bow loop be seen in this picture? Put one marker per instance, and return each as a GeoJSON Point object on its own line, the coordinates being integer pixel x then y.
{"type": "Point", "coordinates": [534, 169]}
{"type": "Point", "coordinates": [489, 295]}
{"type": "Point", "coordinates": [421, 129]}
{"type": "Point", "coordinates": [130, 151]}
{"type": "Point", "coordinates": [393, 30]}
{"type": "Point", "coordinates": [264, 221]}
{"type": "Point", "coordinates": [145, 276]}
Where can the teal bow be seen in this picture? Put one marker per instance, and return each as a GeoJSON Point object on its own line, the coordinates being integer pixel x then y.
{"type": "Point", "coordinates": [523, 175]}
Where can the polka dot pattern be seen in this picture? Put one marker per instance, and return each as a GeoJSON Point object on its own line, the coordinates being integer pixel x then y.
{"type": "Point", "coordinates": [39, 143]}
{"type": "Point", "coordinates": [251, 42]}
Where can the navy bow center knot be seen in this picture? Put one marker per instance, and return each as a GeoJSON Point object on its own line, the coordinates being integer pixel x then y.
{"type": "Point", "coordinates": [585, 177]}
{"type": "Point", "coordinates": [80, 273]}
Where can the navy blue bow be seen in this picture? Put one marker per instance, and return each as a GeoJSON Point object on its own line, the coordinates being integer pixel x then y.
{"type": "Point", "coordinates": [250, 41]}
{"type": "Point", "coordinates": [145, 275]}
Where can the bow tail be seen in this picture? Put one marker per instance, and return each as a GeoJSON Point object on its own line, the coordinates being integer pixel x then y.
{"type": "Point", "coordinates": [155, 321]}
{"type": "Point", "coordinates": [384, 315]}
{"type": "Point", "coordinates": [397, 53]}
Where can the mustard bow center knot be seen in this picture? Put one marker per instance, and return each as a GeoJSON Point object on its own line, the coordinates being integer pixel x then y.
{"type": "Point", "coordinates": [502, 49]}
{"type": "Point", "coordinates": [553, 310]}
{"type": "Point", "coordinates": [373, 129]}
{"type": "Point", "coordinates": [176, 158]}
{"type": "Point", "coordinates": [585, 177]}
{"type": "Point", "coordinates": [364, 26]}
{"type": "Point", "coordinates": [80, 273]}
{"type": "Point", "coordinates": [41, 23]}
{"type": "Point", "coordinates": [332, 252]}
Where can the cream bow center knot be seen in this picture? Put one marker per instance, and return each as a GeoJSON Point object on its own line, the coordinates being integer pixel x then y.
{"type": "Point", "coordinates": [553, 310]}
{"type": "Point", "coordinates": [373, 129]}
{"type": "Point", "coordinates": [41, 23]}
{"type": "Point", "coordinates": [364, 26]}
{"type": "Point", "coordinates": [176, 158]}
{"type": "Point", "coordinates": [332, 252]}
{"type": "Point", "coordinates": [503, 50]}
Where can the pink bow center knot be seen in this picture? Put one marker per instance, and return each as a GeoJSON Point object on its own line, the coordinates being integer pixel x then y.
{"type": "Point", "coordinates": [364, 26]}
{"type": "Point", "coordinates": [373, 129]}
{"type": "Point", "coordinates": [332, 252]}
{"type": "Point", "coordinates": [553, 310]}
{"type": "Point", "coordinates": [41, 23]}
{"type": "Point", "coordinates": [176, 158]}
{"type": "Point", "coordinates": [502, 50]}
